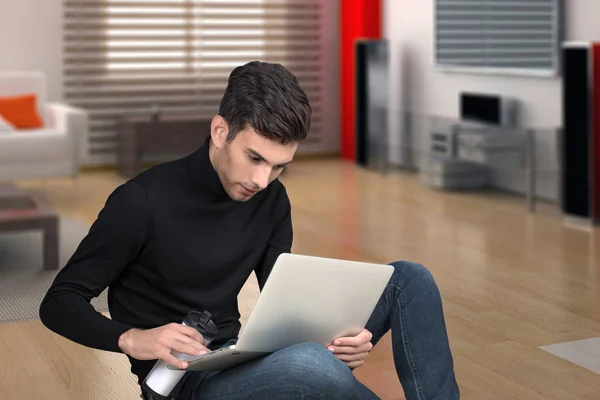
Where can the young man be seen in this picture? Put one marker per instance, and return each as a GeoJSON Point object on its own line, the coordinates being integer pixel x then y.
{"type": "Point", "coordinates": [185, 235]}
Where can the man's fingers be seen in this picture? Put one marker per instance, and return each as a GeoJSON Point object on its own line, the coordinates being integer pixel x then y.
{"type": "Point", "coordinates": [172, 360]}
{"type": "Point", "coordinates": [352, 357]}
{"type": "Point", "coordinates": [364, 348]}
{"type": "Point", "coordinates": [354, 341]}
{"type": "Point", "coordinates": [188, 341]}
{"type": "Point", "coordinates": [355, 364]}
{"type": "Point", "coordinates": [184, 348]}
{"type": "Point", "coordinates": [190, 332]}
{"type": "Point", "coordinates": [179, 342]}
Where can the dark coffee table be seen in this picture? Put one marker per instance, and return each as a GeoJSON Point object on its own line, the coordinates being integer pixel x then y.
{"type": "Point", "coordinates": [168, 136]}
{"type": "Point", "coordinates": [20, 211]}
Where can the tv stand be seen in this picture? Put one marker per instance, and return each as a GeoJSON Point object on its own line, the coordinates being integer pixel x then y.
{"type": "Point", "coordinates": [463, 155]}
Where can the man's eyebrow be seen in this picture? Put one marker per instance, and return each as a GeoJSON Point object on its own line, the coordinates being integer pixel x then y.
{"type": "Point", "coordinates": [257, 155]}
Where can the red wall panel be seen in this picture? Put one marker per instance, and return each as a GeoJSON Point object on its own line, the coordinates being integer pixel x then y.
{"type": "Point", "coordinates": [359, 19]}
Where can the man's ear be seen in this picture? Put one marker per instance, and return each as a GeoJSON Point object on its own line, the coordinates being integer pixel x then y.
{"type": "Point", "coordinates": [218, 131]}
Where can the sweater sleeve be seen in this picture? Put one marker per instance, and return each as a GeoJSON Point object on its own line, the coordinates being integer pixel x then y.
{"type": "Point", "coordinates": [114, 240]}
{"type": "Point", "coordinates": [279, 243]}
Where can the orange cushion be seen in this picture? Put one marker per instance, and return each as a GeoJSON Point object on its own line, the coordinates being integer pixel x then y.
{"type": "Point", "coordinates": [21, 111]}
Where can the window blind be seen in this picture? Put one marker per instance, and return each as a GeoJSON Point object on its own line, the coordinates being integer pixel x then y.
{"type": "Point", "coordinates": [129, 56]}
{"type": "Point", "coordinates": [498, 35]}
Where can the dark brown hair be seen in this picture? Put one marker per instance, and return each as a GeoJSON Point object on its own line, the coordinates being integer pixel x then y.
{"type": "Point", "coordinates": [268, 98]}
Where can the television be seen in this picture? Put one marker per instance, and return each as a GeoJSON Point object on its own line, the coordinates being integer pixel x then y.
{"type": "Point", "coordinates": [489, 109]}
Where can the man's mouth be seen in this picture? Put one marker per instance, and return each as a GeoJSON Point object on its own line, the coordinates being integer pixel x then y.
{"type": "Point", "coordinates": [248, 191]}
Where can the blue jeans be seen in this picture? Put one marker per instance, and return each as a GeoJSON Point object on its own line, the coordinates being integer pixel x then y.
{"type": "Point", "coordinates": [410, 307]}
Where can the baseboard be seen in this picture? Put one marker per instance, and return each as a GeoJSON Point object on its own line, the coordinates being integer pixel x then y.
{"type": "Point", "coordinates": [577, 222]}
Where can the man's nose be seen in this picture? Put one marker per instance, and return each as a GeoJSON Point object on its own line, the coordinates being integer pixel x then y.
{"type": "Point", "coordinates": [261, 177]}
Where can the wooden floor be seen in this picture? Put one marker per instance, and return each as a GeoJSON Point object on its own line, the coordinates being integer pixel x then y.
{"type": "Point", "coordinates": [510, 282]}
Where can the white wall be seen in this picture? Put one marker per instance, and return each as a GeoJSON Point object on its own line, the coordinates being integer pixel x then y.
{"type": "Point", "coordinates": [421, 90]}
{"type": "Point", "coordinates": [31, 38]}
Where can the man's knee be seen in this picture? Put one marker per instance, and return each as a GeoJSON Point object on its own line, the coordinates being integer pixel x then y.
{"type": "Point", "coordinates": [406, 271]}
{"type": "Point", "coordinates": [311, 368]}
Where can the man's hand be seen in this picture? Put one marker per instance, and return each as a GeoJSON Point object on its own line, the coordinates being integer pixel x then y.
{"type": "Point", "coordinates": [157, 343]}
{"type": "Point", "coordinates": [352, 350]}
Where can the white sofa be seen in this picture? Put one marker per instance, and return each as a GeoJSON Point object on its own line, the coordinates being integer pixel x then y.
{"type": "Point", "coordinates": [54, 151]}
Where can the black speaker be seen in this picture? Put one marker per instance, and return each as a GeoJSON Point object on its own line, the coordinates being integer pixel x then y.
{"type": "Point", "coordinates": [580, 194]}
{"type": "Point", "coordinates": [576, 135]}
{"type": "Point", "coordinates": [361, 104]}
{"type": "Point", "coordinates": [371, 105]}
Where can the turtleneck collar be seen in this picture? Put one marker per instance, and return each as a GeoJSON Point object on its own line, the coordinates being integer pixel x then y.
{"type": "Point", "coordinates": [203, 175]}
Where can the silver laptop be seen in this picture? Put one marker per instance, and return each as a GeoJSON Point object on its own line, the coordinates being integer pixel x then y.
{"type": "Point", "coordinates": [305, 299]}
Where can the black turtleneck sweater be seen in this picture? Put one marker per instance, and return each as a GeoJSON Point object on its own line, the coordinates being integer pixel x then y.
{"type": "Point", "coordinates": [167, 242]}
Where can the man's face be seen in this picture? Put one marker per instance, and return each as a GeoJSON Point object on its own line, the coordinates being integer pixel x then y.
{"type": "Point", "coordinates": [248, 163]}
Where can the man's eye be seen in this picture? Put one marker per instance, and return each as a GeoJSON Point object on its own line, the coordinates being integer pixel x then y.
{"type": "Point", "coordinates": [255, 159]}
